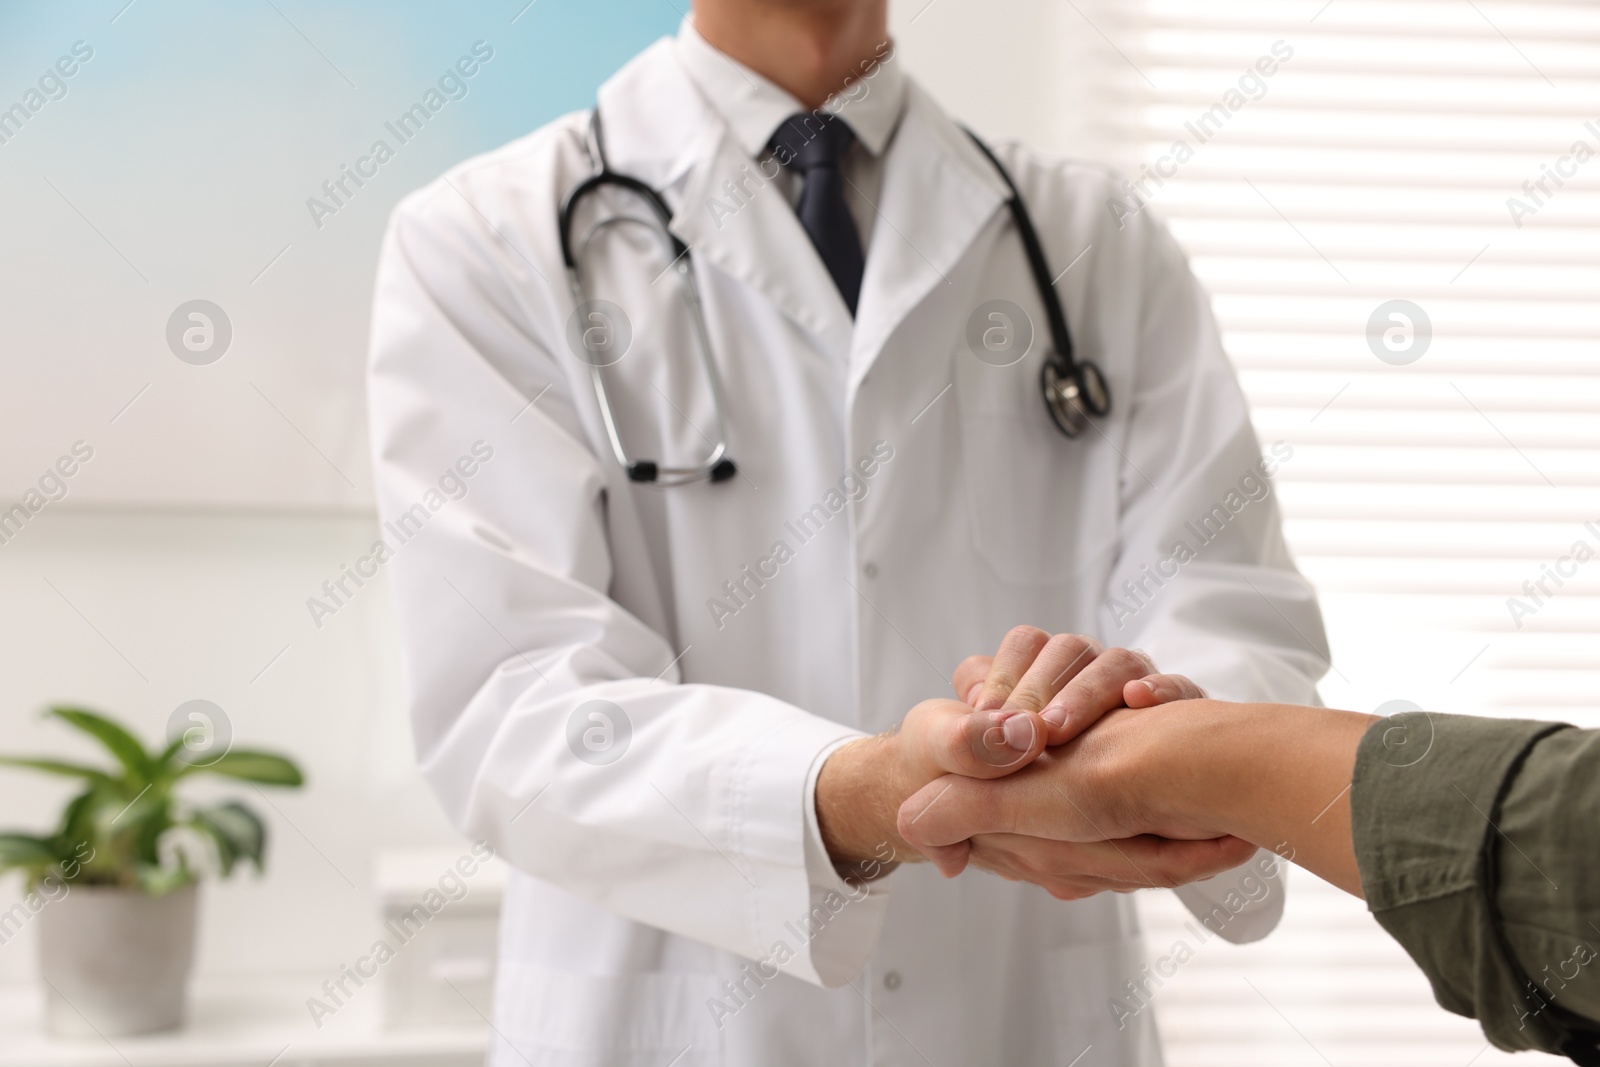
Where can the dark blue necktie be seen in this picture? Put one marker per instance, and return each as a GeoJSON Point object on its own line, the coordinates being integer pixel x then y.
{"type": "Point", "coordinates": [812, 143]}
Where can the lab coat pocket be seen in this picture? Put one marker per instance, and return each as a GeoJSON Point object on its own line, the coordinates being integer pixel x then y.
{"type": "Point", "coordinates": [1043, 508]}
{"type": "Point", "coordinates": [551, 1018]}
{"type": "Point", "coordinates": [1100, 1022]}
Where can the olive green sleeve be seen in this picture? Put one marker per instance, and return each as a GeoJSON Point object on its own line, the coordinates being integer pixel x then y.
{"type": "Point", "coordinates": [1476, 842]}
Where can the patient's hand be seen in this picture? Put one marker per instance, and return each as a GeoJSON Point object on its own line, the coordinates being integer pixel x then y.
{"type": "Point", "coordinates": [1203, 776]}
{"type": "Point", "coordinates": [1078, 819]}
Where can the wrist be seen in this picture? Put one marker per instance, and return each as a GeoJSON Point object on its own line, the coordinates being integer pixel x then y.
{"type": "Point", "coordinates": [1275, 775]}
{"type": "Point", "coordinates": [859, 792]}
{"type": "Point", "coordinates": [1240, 741]}
{"type": "Point", "coordinates": [1183, 771]}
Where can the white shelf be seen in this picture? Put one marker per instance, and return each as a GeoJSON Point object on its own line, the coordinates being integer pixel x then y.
{"type": "Point", "coordinates": [245, 1023]}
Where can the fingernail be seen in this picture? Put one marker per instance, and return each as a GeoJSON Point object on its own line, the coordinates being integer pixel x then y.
{"type": "Point", "coordinates": [1055, 715]}
{"type": "Point", "coordinates": [1150, 688]}
{"type": "Point", "coordinates": [1019, 732]}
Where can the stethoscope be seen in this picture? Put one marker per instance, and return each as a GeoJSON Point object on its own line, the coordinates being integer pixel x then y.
{"type": "Point", "coordinates": [1074, 390]}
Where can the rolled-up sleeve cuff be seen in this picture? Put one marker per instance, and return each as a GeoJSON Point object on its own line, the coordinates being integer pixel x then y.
{"type": "Point", "coordinates": [1426, 792]}
{"type": "Point", "coordinates": [1421, 798]}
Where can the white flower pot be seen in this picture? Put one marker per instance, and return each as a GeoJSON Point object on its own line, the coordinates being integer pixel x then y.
{"type": "Point", "coordinates": [116, 961]}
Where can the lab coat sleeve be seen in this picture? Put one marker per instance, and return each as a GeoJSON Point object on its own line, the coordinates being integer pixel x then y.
{"type": "Point", "coordinates": [551, 721]}
{"type": "Point", "coordinates": [1204, 581]}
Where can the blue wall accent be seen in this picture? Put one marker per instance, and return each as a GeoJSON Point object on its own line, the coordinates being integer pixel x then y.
{"type": "Point", "coordinates": [177, 161]}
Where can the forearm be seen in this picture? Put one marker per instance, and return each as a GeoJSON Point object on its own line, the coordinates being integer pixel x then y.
{"type": "Point", "coordinates": [1275, 775]}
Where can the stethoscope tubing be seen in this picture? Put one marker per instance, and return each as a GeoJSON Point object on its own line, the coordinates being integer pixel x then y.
{"type": "Point", "coordinates": [1074, 391]}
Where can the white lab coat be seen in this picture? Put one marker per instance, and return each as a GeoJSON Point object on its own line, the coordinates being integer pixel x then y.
{"type": "Point", "coordinates": [652, 889]}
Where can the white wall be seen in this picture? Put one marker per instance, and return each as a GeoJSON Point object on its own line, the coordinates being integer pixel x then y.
{"type": "Point", "coordinates": [1021, 69]}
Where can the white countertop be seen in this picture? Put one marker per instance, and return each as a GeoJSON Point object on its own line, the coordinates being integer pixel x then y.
{"type": "Point", "coordinates": [254, 1022]}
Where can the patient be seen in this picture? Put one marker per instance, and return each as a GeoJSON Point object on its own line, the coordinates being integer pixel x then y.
{"type": "Point", "coordinates": [1472, 840]}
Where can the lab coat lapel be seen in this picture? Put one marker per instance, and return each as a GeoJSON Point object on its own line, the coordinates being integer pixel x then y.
{"type": "Point", "coordinates": [938, 194]}
{"type": "Point", "coordinates": [661, 130]}
{"type": "Point", "coordinates": [656, 123]}
{"type": "Point", "coordinates": [736, 220]}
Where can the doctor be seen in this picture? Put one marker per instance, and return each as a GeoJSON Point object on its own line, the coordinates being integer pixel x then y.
{"type": "Point", "coordinates": [652, 699]}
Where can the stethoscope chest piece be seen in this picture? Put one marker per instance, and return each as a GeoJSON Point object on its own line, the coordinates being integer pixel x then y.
{"type": "Point", "coordinates": [1074, 397]}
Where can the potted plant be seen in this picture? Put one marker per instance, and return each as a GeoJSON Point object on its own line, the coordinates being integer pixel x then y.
{"type": "Point", "coordinates": [114, 887]}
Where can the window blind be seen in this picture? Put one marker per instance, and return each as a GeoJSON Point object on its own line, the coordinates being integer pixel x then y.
{"type": "Point", "coordinates": [1395, 207]}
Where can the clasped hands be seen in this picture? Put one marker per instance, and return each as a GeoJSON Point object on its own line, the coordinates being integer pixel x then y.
{"type": "Point", "coordinates": [1043, 772]}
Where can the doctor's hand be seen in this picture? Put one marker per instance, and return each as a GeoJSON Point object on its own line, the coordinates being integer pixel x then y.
{"type": "Point", "coordinates": [1070, 679]}
{"type": "Point", "coordinates": [1038, 689]}
{"type": "Point", "coordinates": [863, 783]}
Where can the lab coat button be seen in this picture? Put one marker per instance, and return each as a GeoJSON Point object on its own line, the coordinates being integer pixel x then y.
{"type": "Point", "coordinates": [870, 570]}
{"type": "Point", "coordinates": [891, 981]}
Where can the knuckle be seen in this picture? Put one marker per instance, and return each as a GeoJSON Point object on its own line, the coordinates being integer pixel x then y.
{"type": "Point", "coordinates": [1126, 661]}
{"type": "Point", "coordinates": [1071, 651]}
{"type": "Point", "coordinates": [1025, 637]}
{"type": "Point", "coordinates": [1078, 644]}
{"type": "Point", "coordinates": [1067, 643]}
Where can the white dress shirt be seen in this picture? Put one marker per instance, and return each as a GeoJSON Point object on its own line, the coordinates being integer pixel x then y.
{"type": "Point", "coordinates": [753, 107]}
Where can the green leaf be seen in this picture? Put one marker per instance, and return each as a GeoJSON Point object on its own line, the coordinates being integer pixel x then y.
{"type": "Point", "coordinates": [227, 855]}
{"type": "Point", "coordinates": [123, 745]}
{"type": "Point", "coordinates": [79, 823]}
{"type": "Point", "coordinates": [21, 850]}
{"type": "Point", "coordinates": [236, 831]}
{"type": "Point", "coordinates": [165, 759]}
{"type": "Point", "coordinates": [51, 766]}
{"type": "Point", "coordinates": [252, 766]}
{"type": "Point", "coordinates": [143, 823]}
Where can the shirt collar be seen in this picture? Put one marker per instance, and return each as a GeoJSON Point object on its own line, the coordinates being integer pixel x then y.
{"type": "Point", "coordinates": [753, 106]}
